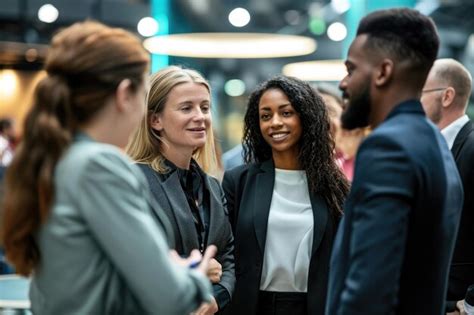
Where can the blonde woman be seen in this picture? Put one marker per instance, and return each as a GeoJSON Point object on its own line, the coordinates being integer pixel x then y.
{"type": "Point", "coordinates": [174, 147]}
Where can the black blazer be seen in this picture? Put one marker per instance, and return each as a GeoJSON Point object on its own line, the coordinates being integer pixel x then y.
{"type": "Point", "coordinates": [248, 190]}
{"type": "Point", "coordinates": [171, 198]}
{"type": "Point", "coordinates": [462, 266]}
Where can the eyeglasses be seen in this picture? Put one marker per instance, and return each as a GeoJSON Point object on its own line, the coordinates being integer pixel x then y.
{"type": "Point", "coordinates": [434, 90]}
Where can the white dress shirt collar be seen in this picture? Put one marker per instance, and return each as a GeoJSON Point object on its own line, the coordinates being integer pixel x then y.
{"type": "Point", "coordinates": [451, 131]}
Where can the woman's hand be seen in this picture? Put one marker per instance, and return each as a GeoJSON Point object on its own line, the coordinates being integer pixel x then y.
{"type": "Point", "coordinates": [195, 259]}
{"type": "Point", "coordinates": [206, 263]}
{"type": "Point", "coordinates": [207, 308]}
{"type": "Point", "coordinates": [214, 271]}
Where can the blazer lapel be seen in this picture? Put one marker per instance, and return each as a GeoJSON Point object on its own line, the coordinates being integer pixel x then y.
{"type": "Point", "coordinates": [214, 203]}
{"type": "Point", "coordinates": [162, 213]}
{"type": "Point", "coordinates": [320, 218]}
{"type": "Point", "coordinates": [163, 220]}
{"type": "Point", "coordinates": [262, 200]}
{"type": "Point", "coordinates": [182, 212]}
{"type": "Point", "coordinates": [461, 138]}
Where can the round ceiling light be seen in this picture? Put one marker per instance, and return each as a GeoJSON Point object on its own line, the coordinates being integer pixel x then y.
{"type": "Point", "coordinates": [337, 31]}
{"type": "Point", "coordinates": [148, 26]}
{"type": "Point", "coordinates": [231, 45]}
{"type": "Point", "coordinates": [239, 17]}
{"type": "Point", "coordinates": [319, 70]}
{"type": "Point", "coordinates": [48, 13]}
{"type": "Point", "coordinates": [234, 87]}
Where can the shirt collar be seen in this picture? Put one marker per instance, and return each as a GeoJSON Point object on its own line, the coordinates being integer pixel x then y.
{"type": "Point", "coordinates": [183, 173]}
{"type": "Point", "coordinates": [451, 131]}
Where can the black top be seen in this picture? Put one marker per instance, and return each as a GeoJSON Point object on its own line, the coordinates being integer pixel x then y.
{"type": "Point", "coordinates": [197, 197]}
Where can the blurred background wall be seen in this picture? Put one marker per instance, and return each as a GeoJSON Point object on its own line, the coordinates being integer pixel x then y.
{"type": "Point", "coordinates": [26, 27]}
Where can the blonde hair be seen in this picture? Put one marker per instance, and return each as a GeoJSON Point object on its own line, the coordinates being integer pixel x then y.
{"type": "Point", "coordinates": [145, 146]}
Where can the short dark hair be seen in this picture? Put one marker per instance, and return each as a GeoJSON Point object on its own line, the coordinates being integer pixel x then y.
{"type": "Point", "coordinates": [405, 34]}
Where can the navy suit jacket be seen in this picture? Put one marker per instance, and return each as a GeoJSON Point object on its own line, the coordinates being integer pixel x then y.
{"type": "Point", "coordinates": [461, 274]}
{"type": "Point", "coordinates": [394, 245]}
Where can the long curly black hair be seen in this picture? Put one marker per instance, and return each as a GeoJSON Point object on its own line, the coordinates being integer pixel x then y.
{"type": "Point", "coordinates": [316, 154]}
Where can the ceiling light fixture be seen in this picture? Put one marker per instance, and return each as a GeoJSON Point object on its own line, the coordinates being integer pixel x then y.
{"type": "Point", "coordinates": [231, 45]}
{"type": "Point", "coordinates": [147, 26]}
{"type": "Point", "coordinates": [239, 17]}
{"type": "Point", "coordinates": [234, 87]}
{"type": "Point", "coordinates": [340, 6]}
{"type": "Point", "coordinates": [8, 82]}
{"type": "Point", "coordinates": [48, 13]}
{"type": "Point", "coordinates": [319, 70]}
{"type": "Point", "coordinates": [337, 31]}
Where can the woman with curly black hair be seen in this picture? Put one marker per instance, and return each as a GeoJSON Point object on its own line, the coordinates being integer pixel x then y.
{"type": "Point", "coordinates": [285, 203]}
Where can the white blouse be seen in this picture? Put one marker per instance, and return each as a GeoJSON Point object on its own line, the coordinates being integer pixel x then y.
{"type": "Point", "coordinates": [289, 234]}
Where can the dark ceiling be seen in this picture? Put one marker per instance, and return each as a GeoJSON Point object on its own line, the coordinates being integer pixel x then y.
{"type": "Point", "coordinates": [20, 28]}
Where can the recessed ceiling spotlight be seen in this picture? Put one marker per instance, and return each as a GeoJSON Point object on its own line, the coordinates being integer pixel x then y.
{"type": "Point", "coordinates": [239, 17]}
{"type": "Point", "coordinates": [337, 31]}
{"type": "Point", "coordinates": [148, 26]}
{"type": "Point", "coordinates": [340, 6]}
{"type": "Point", "coordinates": [234, 87]}
{"type": "Point", "coordinates": [48, 13]}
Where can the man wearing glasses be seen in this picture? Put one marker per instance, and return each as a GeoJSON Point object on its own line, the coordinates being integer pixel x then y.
{"type": "Point", "coordinates": [445, 98]}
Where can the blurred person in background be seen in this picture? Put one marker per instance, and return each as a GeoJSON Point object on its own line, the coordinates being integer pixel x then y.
{"type": "Point", "coordinates": [285, 203]}
{"type": "Point", "coordinates": [174, 147]}
{"type": "Point", "coordinates": [445, 98]}
{"type": "Point", "coordinates": [77, 213]}
{"type": "Point", "coordinates": [347, 141]}
{"type": "Point", "coordinates": [233, 157]}
{"type": "Point", "coordinates": [7, 141]}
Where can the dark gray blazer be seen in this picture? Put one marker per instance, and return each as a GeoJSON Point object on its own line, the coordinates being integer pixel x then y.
{"type": "Point", "coordinates": [172, 200]}
{"type": "Point", "coordinates": [394, 245]}
{"type": "Point", "coordinates": [249, 190]}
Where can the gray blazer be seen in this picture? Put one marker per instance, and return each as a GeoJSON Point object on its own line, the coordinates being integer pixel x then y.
{"type": "Point", "coordinates": [101, 251]}
{"type": "Point", "coordinates": [172, 201]}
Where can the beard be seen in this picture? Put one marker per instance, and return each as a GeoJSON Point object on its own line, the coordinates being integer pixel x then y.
{"type": "Point", "coordinates": [357, 113]}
